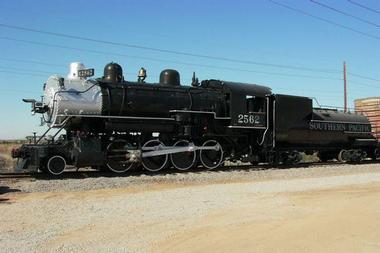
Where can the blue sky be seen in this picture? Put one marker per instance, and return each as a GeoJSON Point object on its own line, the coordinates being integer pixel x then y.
{"type": "Point", "coordinates": [258, 31]}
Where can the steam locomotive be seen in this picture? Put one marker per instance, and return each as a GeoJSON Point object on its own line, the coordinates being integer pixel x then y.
{"type": "Point", "coordinates": [114, 124]}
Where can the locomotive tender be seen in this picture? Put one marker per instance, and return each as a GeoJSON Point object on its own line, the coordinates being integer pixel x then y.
{"type": "Point", "coordinates": [118, 125]}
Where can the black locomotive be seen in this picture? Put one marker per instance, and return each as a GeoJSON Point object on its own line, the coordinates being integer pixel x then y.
{"type": "Point", "coordinates": [118, 125]}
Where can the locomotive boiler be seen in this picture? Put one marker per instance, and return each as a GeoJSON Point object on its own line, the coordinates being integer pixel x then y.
{"type": "Point", "coordinates": [116, 124]}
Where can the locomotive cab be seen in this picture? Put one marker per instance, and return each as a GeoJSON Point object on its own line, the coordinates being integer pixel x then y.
{"type": "Point", "coordinates": [249, 105]}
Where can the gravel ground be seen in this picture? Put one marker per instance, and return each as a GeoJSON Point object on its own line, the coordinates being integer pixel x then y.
{"type": "Point", "coordinates": [316, 209]}
{"type": "Point", "coordinates": [183, 178]}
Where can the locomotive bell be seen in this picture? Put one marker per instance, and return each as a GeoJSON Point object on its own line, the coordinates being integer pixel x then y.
{"type": "Point", "coordinates": [170, 77]}
{"type": "Point", "coordinates": [142, 75]}
{"type": "Point", "coordinates": [113, 73]}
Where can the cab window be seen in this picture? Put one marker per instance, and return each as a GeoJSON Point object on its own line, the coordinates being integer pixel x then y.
{"type": "Point", "coordinates": [255, 104]}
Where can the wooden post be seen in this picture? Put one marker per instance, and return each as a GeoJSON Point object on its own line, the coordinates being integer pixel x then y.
{"type": "Point", "coordinates": [345, 86]}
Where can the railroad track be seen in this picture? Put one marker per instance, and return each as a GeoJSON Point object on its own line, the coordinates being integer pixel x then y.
{"type": "Point", "coordinates": [16, 175]}
{"type": "Point", "coordinates": [95, 173]}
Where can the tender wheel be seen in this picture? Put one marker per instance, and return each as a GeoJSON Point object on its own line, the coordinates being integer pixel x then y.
{"type": "Point", "coordinates": [116, 160]}
{"type": "Point", "coordinates": [56, 165]}
{"type": "Point", "coordinates": [154, 163]}
{"type": "Point", "coordinates": [184, 160]}
{"type": "Point", "coordinates": [375, 154]}
{"type": "Point", "coordinates": [212, 158]}
{"type": "Point", "coordinates": [343, 156]}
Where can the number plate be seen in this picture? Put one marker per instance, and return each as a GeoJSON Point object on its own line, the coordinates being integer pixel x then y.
{"type": "Point", "coordinates": [86, 72]}
{"type": "Point", "coordinates": [251, 119]}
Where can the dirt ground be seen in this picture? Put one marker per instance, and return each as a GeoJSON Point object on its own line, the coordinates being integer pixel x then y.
{"type": "Point", "coordinates": [333, 213]}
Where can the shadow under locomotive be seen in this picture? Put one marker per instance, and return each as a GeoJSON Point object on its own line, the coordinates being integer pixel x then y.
{"type": "Point", "coordinates": [5, 190]}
